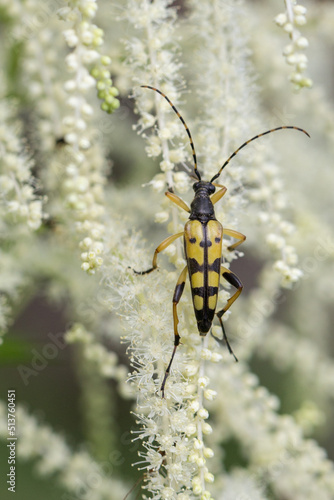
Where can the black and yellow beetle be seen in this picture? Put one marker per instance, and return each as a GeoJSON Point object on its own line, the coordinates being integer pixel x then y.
{"type": "Point", "coordinates": [203, 237]}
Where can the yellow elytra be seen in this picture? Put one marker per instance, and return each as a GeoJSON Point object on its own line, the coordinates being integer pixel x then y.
{"type": "Point", "coordinates": [203, 249]}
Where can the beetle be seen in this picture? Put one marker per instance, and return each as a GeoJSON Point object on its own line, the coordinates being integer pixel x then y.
{"type": "Point", "coordinates": [203, 237]}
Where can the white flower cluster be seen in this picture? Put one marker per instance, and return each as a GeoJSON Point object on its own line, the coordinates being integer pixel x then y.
{"type": "Point", "coordinates": [173, 429]}
{"type": "Point", "coordinates": [83, 188]}
{"type": "Point", "coordinates": [18, 200]}
{"type": "Point", "coordinates": [77, 472]}
{"type": "Point", "coordinates": [106, 361]}
{"type": "Point", "coordinates": [90, 37]}
{"type": "Point", "coordinates": [42, 44]}
{"type": "Point", "coordinates": [273, 444]}
{"type": "Point", "coordinates": [294, 17]}
{"type": "Point", "coordinates": [83, 184]}
{"type": "Point", "coordinates": [154, 62]}
{"type": "Point", "coordinates": [270, 193]}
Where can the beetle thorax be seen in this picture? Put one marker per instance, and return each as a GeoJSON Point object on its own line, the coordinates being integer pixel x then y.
{"type": "Point", "coordinates": [201, 206]}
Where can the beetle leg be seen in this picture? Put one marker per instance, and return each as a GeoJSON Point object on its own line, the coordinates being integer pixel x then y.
{"type": "Point", "coordinates": [235, 234]}
{"type": "Point", "coordinates": [234, 281]}
{"type": "Point", "coordinates": [176, 299]}
{"type": "Point", "coordinates": [219, 194]}
{"type": "Point", "coordinates": [177, 200]}
{"type": "Point", "coordinates": [164, 244]}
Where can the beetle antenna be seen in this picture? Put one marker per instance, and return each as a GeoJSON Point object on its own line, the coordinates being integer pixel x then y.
{"type": "Point", "coordinates": [184, 124]}
{"type": "Point", "coordinates": [253, 139]}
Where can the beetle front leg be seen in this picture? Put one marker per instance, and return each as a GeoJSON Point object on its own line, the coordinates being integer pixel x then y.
{"type": "Point", "coordinates": [218, 194]}
{"type": "Point", "coordinates": [234, 281]}
{"type": "Point", "coordinates": [176, 299]}
{"type": "Point", "coordinates": [177, 200]}
{"type": "Point", "coordinates": [163, 245]}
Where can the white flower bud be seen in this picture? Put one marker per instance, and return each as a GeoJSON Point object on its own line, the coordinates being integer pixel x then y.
{"type": "Point", "coordinates": [208, 453]}
{"type": "Point", "coordinates": [302, 42]}
{"type": "Point", "coordinates": [206, 428]}
{"type": "Point", "coordinates": [300, 20]}
{"type": "Point", "coordinates": [161, 217]}
{"type": "Point", "coordinates": [190, 429]}
{"type": "Point", "coordinates": [299, 9]}
{"type": "Point", "coordinates": [210, 394]}
{"type": "Point", "coordinates": [208, 477]}
{"type": "Point", "coordinates": [194, 405]}
{"type": "Point", "coordinates": [288, 27]}
{"type": "Point", "coordinates": [203, 381]}
{"type": "Point", "coordinates": [216, 357]}
{"type": "Point", "coordinates": [70, 38]}
{"type": "Point", "coordinates": [72, 62]}
{"type": "Point", "coordinates": [281, 19]}
{"type": "Point", "coordinates": [166, 166]}
{"type": "Point", "coordinates": [203, 413]}
{"type": "Point", "coordinates": [85, 266]}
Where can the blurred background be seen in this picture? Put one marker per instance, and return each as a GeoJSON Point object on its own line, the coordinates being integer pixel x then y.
{"type": "Point", "coordinates": [53, 380]}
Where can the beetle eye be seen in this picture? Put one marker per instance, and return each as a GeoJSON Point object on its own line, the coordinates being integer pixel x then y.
{"type": "Point", "coordinates": [195, 186]}
{"type": "Point", "coordinates": [212, 188]}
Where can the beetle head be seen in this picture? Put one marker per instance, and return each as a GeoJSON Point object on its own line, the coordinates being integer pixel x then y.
{"type": "Point", "coordinates": [204, 185]}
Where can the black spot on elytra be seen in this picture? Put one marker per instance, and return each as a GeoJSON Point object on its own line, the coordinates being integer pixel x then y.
{"type": "Point", "coordinates": [198, 291]}
{"type": "Point", "coordinates": [194, 266]}
{"type": "Point", "coordinates": [212, 290]}
{"type": "Point", "coordinates": [204, 243]}
{"type": "Point", "coordinates": [215, 266]}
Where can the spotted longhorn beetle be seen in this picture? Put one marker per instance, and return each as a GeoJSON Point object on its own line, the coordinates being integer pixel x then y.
{"type": "Point", "coordinates": [203, 236]}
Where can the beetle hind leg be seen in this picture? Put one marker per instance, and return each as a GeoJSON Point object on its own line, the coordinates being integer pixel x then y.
{"type": "Point", "coordinates": [233, 279]}
{"type": "Point", "coordinates": [230, 350]}
{"type": "Point", "coordinates": [176, 299]}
